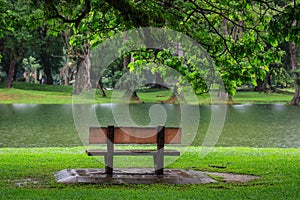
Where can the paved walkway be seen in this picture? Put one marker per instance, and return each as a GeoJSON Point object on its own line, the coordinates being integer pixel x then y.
{"type": "Point", "coordinates": [143, 176]}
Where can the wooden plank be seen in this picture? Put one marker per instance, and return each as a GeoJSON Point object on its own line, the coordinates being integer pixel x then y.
{"type": "Point", "coordinates": [134, 135]}
{"type": "Point", "coordinates": [96, 152]}
{"type": "Point", "coordinates": [173, 135]}
{"type": "Point", "coordinates": [97, 135]}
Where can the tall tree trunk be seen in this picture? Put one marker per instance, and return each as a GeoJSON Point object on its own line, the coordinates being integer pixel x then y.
{"type": "Point", "coordinates": [87, 64]}
{"type": "Point", "coordinates": [45, 59]}
{"type": "Point", "coordinates": [128, 93]}
{"type": "Point", "coordinates": [47, 68]}
{"type": "Point", "coordinates": [11, 71]}
{"type": "Point", "coordinates": [83, 75]}
{"type": "Point", "coordinates": [64, 74]}
{"type": "Point", "coordinates": [222, 92]}
{"type": "Point", "coordinates": [79, 79]}
{"type": "Point", "coordinates": [295, 99]}
{"type": "Point", "coordinates": [269, 82]}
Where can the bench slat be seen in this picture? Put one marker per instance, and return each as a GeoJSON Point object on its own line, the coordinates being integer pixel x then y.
{"type": "Point", "coordinates": [134, 135]}
{"type": "Point", "coordinates": [95, 152]}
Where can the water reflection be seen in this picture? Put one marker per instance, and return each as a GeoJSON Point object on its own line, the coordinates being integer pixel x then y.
{"type": "Point", "coordinates": [39, 125]}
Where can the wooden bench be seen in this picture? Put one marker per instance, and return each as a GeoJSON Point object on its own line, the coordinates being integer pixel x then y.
{"type": "Point", "coordinates": [134, 135]}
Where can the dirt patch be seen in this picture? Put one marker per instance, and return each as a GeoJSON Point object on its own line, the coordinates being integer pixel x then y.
{"type": "Point", "coordinates": [5, 97]}
{"type": "Point", "coordinates": [25, 182]}
{"type": "Point", "coordinates": [10, 97]}
{"type": "Point", "coordinates": [229, 178]}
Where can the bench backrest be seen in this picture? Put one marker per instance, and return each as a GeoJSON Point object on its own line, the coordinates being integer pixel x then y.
{"type": "Point", "coordinates": [134, 135]}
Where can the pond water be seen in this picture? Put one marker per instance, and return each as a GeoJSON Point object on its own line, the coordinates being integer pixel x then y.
{"type": "Point", "coordinates": [39, 125]}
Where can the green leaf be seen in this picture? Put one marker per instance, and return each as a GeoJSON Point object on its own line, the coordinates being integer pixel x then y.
{"type": "Point", "coordinates": [274, 43]}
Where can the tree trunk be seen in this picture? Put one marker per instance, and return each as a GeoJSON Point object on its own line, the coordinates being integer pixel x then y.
{"type": "Point", "coordinates": [99, 85]}
{"type": "Point", "coordinates": [132, 95]}
{"type": "Point", "coordinates": [261, 87]}
{"type": "Point", "coordinates": [223, 95]}
{"type": "Point", "coordinates": [295, 99]}
{"type": "Point", "coordinates": [83, 75]}
{"type": "Point", "coordinates": [47, 68]}
{"type": "Point", "coordinates": [135, 97]}
{"type": "Point", "coordinates": [79, 79]}
{"type": "Point", "coordinates": [269, 82]}
{"type": "Point", "coordinates": [64, 74]}
{"type": "Point", "coordinates": [11, 71]}
{"type": "Point", "coordinates": [45, 59]}
{"type": "Point", "coordinates": [87, 64]}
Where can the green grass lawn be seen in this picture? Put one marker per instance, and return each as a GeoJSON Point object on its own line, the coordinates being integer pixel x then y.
{"type": "Point", "coordinates": [50, 94]}
{"type": "Point", "coordinates": [279, 170]}
{"type": "Point", "coordinates": [256, 97]}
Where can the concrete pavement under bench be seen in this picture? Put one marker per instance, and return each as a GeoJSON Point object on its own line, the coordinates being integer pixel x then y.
{"type": "Point", "coordinates": [144, 176]}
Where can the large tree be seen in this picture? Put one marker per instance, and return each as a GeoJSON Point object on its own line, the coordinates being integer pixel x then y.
{"type": "Point", "coordinates": [25, 33]}
{"type": "Point", "coordinates": [285, 27]}
{"type": "Point", "coordinates": [234, 33]}
{"type": "Point", "coordinates": [15, 37]}
{"type": "Point", "coordinates": [86, 24]}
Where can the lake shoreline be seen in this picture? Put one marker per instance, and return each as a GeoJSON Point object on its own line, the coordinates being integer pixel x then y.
{"type": "Point", "coordinates": [25, 93]}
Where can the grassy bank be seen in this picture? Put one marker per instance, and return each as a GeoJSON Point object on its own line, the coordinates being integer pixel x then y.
{"type": "Point", "coordinates": [51, 94]}
{"type": "Point", "coordinates": [28, 174]}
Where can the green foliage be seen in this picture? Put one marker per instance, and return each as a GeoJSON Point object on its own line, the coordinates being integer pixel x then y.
{"type": "Point", "coordinates": [243, 38]}
{"type": "Point", "coordinates": [285, 24]}
{"type": "Point", "coordinates": [31, 66]}
{"type": "Point", "coordinates": [170, 67]}
{"type": "Point", "coordinates": [235, 34]}
{"type": "Point", "coordinates": [24, 35]}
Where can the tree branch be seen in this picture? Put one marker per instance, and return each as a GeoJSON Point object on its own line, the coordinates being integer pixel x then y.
{"type": "Point", "coordinates": [77, 20]}
{"type": "Point", "coordinates": [130, 13]}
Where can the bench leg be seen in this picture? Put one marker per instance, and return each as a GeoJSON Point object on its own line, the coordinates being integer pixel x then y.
{"type": "Point", "coordinates": [159, 162]}
{"type": "Point", "coordinates": [108, 165]}
{"type": "Point", "coordinates": [110, 151]}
